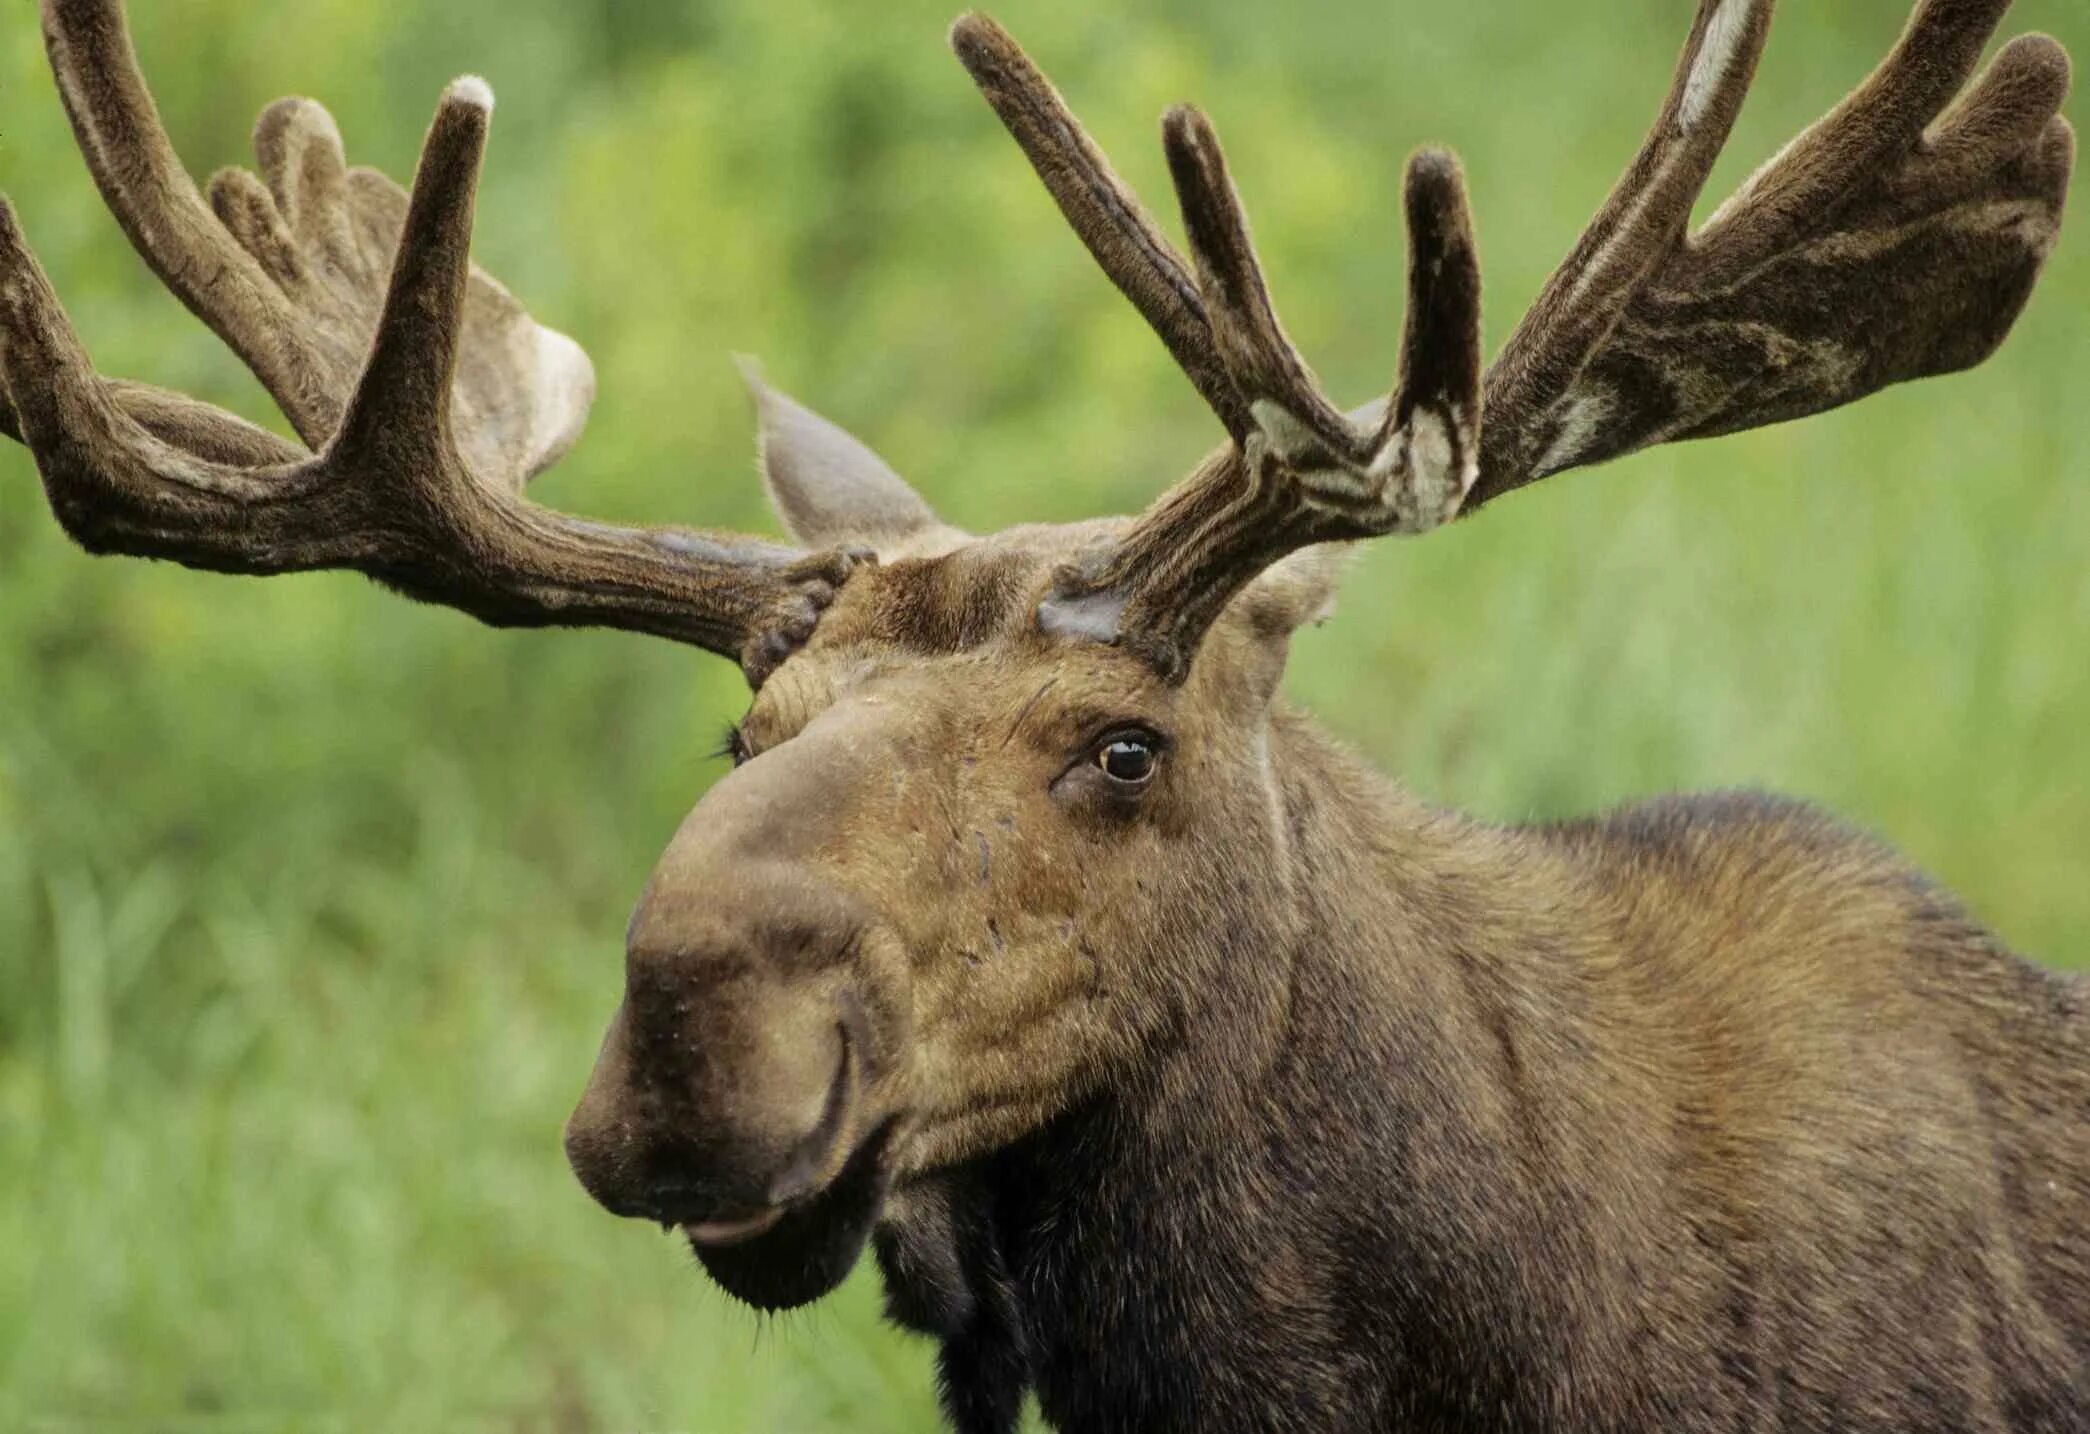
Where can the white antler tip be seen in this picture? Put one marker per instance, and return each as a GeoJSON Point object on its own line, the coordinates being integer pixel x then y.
{"type": "Point", "coordinates": [1725, 33]}
{"type": "Point", "coordinates": [471, 90]}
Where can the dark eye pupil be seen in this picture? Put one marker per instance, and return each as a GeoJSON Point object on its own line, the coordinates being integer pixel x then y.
{"type": "Point", "coordinates": [1128, 760]}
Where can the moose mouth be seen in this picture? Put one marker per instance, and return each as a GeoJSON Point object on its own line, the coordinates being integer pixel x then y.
{"type": "Point", "coordinates": [792, 1254]}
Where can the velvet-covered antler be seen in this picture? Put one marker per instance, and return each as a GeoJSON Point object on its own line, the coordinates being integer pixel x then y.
{"type": "Point", "coordinates": [1878, 247]}
{"type": "Point", "coordinates": [427, 394]}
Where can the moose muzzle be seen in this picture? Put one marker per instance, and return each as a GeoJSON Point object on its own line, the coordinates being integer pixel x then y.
{"type": "Point", "coordinates": [734, 1093]}
{"type": "Point", "coordinates": [727, 1088]}
{"type": "Point", "coordinates": [730, 1098]}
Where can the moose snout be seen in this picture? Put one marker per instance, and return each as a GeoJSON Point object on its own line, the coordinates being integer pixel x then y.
{"type": "Point", "coordinates": [730, 1082]}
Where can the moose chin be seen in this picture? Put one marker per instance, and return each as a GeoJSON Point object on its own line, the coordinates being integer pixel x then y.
{"type": "Point", "coordinates": [1178, 1068]}
{"type": "Point", "coordinates": [791, 1255]}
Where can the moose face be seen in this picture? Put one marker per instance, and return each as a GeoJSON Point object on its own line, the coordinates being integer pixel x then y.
{"type": "Point", "coordinates": [963, 872]}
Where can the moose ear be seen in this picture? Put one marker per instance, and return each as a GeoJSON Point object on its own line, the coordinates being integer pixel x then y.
{"type": "Point", "coordinates": [1297, 591]}
{"type": "Point", "coordinates": [827, 488]}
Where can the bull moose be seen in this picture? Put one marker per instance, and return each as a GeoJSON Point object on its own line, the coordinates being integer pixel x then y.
{"type": "Point", "coordinates": [1179, 1069]}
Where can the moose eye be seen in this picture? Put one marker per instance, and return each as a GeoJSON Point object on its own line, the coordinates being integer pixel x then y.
{"type": "Point", "coordinates": [1129, 758]}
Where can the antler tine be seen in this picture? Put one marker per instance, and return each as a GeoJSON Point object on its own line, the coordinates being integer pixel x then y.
{"type": "Point", "coordinates": [1441, 339]}
{"type": "Point", "coordinates": [1282, 395]}
{"type": "Point", "coordinates": [2011, 114]}
{"type": "Point", "coordinates": [1440, 344]}
{"type": "Point", "coordinates": [1877, 122]}
{"type": "Point", "coordinates": [156, 203]}
{"type": "Point", "coordinates": [1102, 211]}
{"type": "Point", "coordinates": [397, 421]}
{"type": "Point", "coordinates": [176, 418]}
{"type": "Point", "coordinates": [1646, 214]}
{"type": "Point", "coordinates": [134, 470]}
{"type": "Point", "coordinates": [190, 246]}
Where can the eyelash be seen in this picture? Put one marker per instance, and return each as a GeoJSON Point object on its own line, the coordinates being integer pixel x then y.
{"type": "Point", "coordinates": [731, 745]}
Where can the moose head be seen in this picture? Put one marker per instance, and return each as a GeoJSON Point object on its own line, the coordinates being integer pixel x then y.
{"type": "Point", "coordinates": [1015, 820]}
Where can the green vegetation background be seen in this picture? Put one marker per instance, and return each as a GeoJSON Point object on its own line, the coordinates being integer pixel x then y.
{"type": "Point", "coordinates": [310, 899]}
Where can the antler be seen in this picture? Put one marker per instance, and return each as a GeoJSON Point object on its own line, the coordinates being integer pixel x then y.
{"type": "Point", "coordinates": [428, 393]}
{"type": "Point", "coordinates": [1875, 249]}
{"type": "Point", "coordinates": [1870, 252]}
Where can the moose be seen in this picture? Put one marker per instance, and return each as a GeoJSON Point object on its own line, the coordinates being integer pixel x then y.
{"type": "Point", "coordinates": [1179, 1070]}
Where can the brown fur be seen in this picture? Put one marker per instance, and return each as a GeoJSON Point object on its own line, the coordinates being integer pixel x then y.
{"type": "Point", "coordinates": [1249, 1094]}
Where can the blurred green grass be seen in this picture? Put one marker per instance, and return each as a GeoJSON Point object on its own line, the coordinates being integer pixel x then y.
{"type": "Point", "coordinates": [310, 900]}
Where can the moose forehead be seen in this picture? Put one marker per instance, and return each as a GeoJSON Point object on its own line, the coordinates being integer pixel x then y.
{"type": "Point", "coordinates": [977, 599]}
{"type": "Point", "coordinates": [955, 593]}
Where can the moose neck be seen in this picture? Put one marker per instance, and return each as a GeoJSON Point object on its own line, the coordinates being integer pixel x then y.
{"type": "Point", "coordinates": [1216, 1233]}
{"type": "Point", "coordinates": [1358, 983]}
{"type": "Point", "coordinates": [1368, 987]}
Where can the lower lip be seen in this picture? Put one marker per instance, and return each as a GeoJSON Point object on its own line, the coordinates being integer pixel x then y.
{"type": "Point", "coordinates": [716, 1233]}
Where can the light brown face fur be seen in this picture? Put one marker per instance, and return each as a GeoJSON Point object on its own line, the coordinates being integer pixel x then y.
{"type": "Point", "coordinates": [922, 914]}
